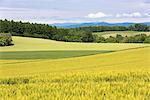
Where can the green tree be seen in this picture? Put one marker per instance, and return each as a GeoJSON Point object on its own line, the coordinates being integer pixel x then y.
{"type": "Point", "coordinates": [147, 39]}
{"type": "Point", "coordinates": [119, 38]}
{"type": "Point", "coordinates": [87, 37]}
{"type": "Point", "coordinates": [111, 40]}
{"type": "Point", "coordinates": [5, 39]}
{"type": "Point", "coordinates": [139, 27]}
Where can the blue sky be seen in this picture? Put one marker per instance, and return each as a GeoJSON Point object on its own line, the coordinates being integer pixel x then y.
{"type": "Point", "coordinates": [60, 11]}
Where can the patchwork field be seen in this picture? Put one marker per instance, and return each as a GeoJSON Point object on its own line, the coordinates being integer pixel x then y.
{"type": "Point", "coordinates": [123, 33]}
{"type": "Point", "coordinates": [65, 72]}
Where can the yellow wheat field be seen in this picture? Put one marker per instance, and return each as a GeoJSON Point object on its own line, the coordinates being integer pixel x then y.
{"type": "Point", "coordinates": [77, 86]}
{"type": "Point", "coordinates": [121, 75]}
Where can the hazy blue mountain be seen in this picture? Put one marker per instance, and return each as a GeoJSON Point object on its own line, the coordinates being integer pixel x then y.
{"type": "Point", "coordinates": [147, 23]}
{"type": "Point", "coordinates": [76, 25]}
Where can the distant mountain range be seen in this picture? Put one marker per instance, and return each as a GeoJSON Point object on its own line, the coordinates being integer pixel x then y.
{"type": "Point", "coordinates": [76, 25]}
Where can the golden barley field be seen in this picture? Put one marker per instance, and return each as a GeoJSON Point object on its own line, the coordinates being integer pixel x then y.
{"type": "Point", "coordinates": [120, 75]}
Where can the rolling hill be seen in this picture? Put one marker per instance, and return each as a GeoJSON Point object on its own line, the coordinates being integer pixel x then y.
{"type": "Point", "coordinates": [123, 33]}
{"type": "Point", "coordinates": [35, 44]}
{"type": "Point", "coordinates": [126, 60]}
{"type": "Point", "coordinates": [114, 75]}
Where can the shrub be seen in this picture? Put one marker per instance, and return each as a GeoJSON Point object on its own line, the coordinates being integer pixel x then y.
{"type": "Point", "coordinates": [5, 39]}
{"type": "Point", "coordinates": [147, 39]}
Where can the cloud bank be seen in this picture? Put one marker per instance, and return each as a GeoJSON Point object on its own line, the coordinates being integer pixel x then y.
{"type": "Point", "coordinates": [134, 14]}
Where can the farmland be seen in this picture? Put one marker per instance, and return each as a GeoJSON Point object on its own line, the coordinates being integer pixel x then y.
{"type": "Point", "coordinates": [34, 44]}
{"type": "Point", "coordinates": [123, 33]}
{"type": "Point", "coordinates": [101, 74]}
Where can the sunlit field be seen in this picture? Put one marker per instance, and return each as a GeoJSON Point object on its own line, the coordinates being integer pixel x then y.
{"type": "Point", "coordinates": [78, 85]}
{"type": "Point", "coordinates": [119, 75]}
{"type": "Point", "coordinates": [34, 44]}
{"type": "Point", "coordinates": [74, 49]}
{"type": "Point", "coordinates": [123, 33]}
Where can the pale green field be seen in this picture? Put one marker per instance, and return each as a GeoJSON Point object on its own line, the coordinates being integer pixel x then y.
{"type": "Point", "coordinates": [34, 44]}
{"type": "Point", "coordinates": [123, 33]}
{"type": "Point", "coordinates": [120, 75]}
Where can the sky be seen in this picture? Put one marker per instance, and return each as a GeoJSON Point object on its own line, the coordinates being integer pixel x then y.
{"type": "Point", "coordinates": [75, 11]}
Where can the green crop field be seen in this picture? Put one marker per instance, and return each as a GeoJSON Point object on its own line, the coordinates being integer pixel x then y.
{"type": "Point", "coordinates": [25, 55]}
{"type": "Point", "coordinates": [35, 69]}
{"type": "Point", "coordinates": [123, 33]}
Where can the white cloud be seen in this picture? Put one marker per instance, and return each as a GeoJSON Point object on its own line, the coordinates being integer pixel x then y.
{"type": "Point", "coordinates": [97, 15]}
{"type": "Point", "coordinates": [134, 14]}
{"type": "Point", "coordinates": [147, 14]}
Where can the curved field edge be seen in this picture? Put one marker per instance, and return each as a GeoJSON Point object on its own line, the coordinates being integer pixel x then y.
{"type": "Point", "coordinates": [128, 60]}
{"type": "Point", "coordinates": [31, 55]}
{"type": "Point", "coordinates": [34, 44]}
{"type": "Point", "coordinates": [123, 75]}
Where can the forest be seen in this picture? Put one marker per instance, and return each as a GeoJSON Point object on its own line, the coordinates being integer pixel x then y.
{"type": "Point", "coordinates": [82, 34]}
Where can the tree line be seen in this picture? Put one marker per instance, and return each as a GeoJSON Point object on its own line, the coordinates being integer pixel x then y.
{"type": "Point", "coordinates": [44, 31]}
{"type": "Point", "coordinates": [82, 34]}
{"type": "Point", "coordinates": [103, 28]}
{"type": "Point", "coordinates": [134, 27]}
{"type": "Point", "coordinates": [26, 29]}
